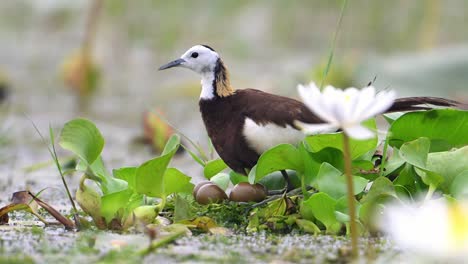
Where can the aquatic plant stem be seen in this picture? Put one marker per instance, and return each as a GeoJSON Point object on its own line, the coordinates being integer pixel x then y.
{"type": "Point", "coordinates": [350, 195]}
{"type": "Point", "coordinates": [332, 50]}
{"type": "Point", "coordinates": [384, 157]}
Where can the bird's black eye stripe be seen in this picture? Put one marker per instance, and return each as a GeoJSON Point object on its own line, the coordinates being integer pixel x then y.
{"type": "Point", "coordinates": [195, 54]}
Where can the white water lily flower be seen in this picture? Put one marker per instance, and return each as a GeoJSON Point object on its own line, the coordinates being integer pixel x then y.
{"type": "Point", "coordinates": [344, 109]}
{"type": "Point", "coordinates": [436, 229]}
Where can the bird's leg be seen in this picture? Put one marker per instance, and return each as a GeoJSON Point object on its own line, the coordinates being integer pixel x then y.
{"type": "Point", "coordinates": [286, 189]}
{"type": "Point", "coordinates": [289, 186]}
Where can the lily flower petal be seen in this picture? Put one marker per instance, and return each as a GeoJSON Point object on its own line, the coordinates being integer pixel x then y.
{"type": "Point", "coordinates": [346, 109]}
{"type": "Point", "coordinates": [358, 132]}
{"type": "Point", "coordinates": [313, 99]}
{"type": "Point", "coordinates": [312, 129]}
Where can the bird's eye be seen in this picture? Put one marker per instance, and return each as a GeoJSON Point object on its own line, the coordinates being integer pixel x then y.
{"type": "Point", "coordinates": [195, 54]}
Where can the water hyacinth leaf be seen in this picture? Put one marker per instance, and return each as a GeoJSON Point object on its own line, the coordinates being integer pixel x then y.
{"type": "Point", "coordinates": [406, 178]}
{"type": "Point", "coordinates": [90, 202]}
{"type": "Point", "coordinates": [150, 175]}
{"type": "Point", "coordinates": [335, 140]}
{"type": "Point", "coordinates": [323, 209]}
{"type": "Point", "coordinates": [391, 117]}
{"type": "Point", "coordinates": [236, 177]}
{"type": "Point", "coordinates": [222, 180]}
{"type": "Point", "coordinates": [446, 128]}
{"type": "Point", "coordinates": [308, 226]}
{"type": "Point", "coordinates": [342, 205]}
{"type": "Point", "coordinates": [213, 167]}
{"type": "Point", "coordinates": [332, 182]}
{"type": "Point", "coordinates": [182, 209]}
{"type": "Point", "coordinates": [459, 186]}
{"type": "Point", "coordinates": [172, 144]}
{"type": "Point", "coordinates": [415, 152]}
{"type": "Point", "coordinates": [115, 204]}
{"type": "Point", "coordinates": [281, 157]}
{"type": "Point", "coordinates": [394, 163]}
{"type": "Point", "coordinates": [429, 178]}
{"type": "Point", "coordinates": [127, 174]}
{"type": "Point", "coordinates": [275, 180]}
{"type": "Point", "coordinates": [252, 174]}
{"type": "Point", "coordinates": [97, 171]}
{"type": "Point", "coordinates": [144, 214]}
{"type": "Point", "coordinates": [194, 156]}
{"type": "Point", "coordinates": [176, 182]}
{"type": "Point", "coordinates": [82, 137]}
{"type": "Point", "coordinates": [311, 166]}
{"type": "Point", "coordinates": [332, 156]}
{"type": "Point", "coordinates": [448, 164]}
{"type": "Point", "coordinates": [381, 186]}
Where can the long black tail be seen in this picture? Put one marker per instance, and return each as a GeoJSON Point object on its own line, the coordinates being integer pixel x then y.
{"type": "Point", "coordinates": [423, 103]}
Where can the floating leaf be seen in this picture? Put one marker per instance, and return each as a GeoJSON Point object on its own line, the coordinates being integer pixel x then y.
{"type": "Point", "coordinates": [446, 128]}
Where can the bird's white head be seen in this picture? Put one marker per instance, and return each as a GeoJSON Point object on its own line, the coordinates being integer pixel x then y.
{"type": "Point", "coordinates": [205, 61]}
{"type": "Point", "coordinates": [201, 59]}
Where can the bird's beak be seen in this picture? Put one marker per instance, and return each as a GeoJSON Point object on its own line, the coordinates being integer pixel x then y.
{"type": "Point", "coordinates": [171, 64]}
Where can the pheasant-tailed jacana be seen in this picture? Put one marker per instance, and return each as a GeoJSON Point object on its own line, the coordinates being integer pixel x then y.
{"type": "Point", "coordinates": [242, 124]}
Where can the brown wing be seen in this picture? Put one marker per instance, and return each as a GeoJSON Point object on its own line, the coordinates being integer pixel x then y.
{"type": "Point", "coordinates": [270, 108]}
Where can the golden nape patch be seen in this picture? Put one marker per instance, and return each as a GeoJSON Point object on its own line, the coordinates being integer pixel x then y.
{"type": "Point", "coordinates": [223, 85]}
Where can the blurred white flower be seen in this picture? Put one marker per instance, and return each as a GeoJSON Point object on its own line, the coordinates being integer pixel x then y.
{"type": "Point", "coordinates": [436, 229]}
{"type": "Point", "coordinates": [344, 109]}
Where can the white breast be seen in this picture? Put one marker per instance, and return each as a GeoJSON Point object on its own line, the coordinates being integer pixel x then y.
{"type": "Point", "coordinates": [264, 137]}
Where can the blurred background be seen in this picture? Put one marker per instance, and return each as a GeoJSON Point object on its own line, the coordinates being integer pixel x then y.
{"type": "Point", "coordinates": [60, 59]}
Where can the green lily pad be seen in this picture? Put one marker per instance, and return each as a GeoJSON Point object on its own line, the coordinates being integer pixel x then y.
{"type": "Point", "coordinates": [281, 157]}
{"type": "Point", "coordinates": [446, 128]}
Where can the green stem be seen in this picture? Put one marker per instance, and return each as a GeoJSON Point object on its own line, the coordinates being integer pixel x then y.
{"type": "Point", "coordinates": [332, 50]}
{"type": "Point", "coordinates": [384, 157]}
{"type": "Point", "coordinates": [304, 188]}
{"type": "Point", "coordinates": [430, 192]}
{"type": "Point", "coordinates": [350, 195]}
{"type": "Point", "coordinates": [163, 241]}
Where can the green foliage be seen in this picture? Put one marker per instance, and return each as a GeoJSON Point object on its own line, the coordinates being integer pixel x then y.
{"type": "Point", "coordinates": [214, 167]}
{"type": "Point", "coordinates": [332, 181]}
{"type": "Point", "coordinates": [335, 140]}
{"type": "Point", "coordinates": [281, 157]}
{"type": "Point", "coordinates": [82, 137]}
{"type": "Point", "coordinates": [122, 200]}
{"type": "Point", "coordinates": [426, 159]}
{"type": "Point", "coordinates": [446, 128]}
